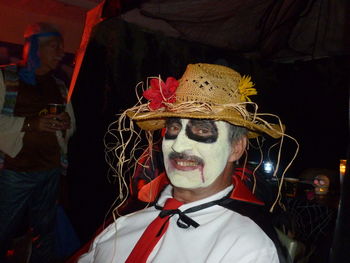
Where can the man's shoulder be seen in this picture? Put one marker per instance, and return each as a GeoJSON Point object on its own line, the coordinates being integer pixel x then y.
{"type": "Point", "coordinates": [140, 218]}
{"type": "Point", "coordinates": [142, 212]}
{"type": "Point", "coordinates": [260, 220]}
{"type": "Point", "coordinates": [128, 223]}
{"type": "Point", "coordinates": [251, 210]}
{"type": "Point", "coordinates": [242, 222]}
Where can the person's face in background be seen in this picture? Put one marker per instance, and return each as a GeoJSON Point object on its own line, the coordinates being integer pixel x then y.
{"type": "Point", "coordinates": [50, 53]}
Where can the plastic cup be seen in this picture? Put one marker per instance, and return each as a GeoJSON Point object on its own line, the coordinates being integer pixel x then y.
{"type": "Point", "coordinates": [54, 108]}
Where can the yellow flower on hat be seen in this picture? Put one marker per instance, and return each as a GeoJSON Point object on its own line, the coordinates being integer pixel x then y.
{"type": "Point", "coordinates": [246, 89]}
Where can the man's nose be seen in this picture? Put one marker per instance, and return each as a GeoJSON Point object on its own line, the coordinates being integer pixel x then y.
{"type": "Point", "coordinates": [182, 143]}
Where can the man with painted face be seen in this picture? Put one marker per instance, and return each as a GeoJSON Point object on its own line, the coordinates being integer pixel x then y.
{"type": "Point", "coordinates": [33, 141]}
{"type": "Point", "coordinates": [202, 211]}
{"type": "Point", "coordinates": [198, 156]}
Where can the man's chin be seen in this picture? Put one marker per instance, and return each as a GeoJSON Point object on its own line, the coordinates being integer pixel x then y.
{"type": "Point", "coordinates": [183, 187]}
{"type": "Point", "coordinates": [179, 181]}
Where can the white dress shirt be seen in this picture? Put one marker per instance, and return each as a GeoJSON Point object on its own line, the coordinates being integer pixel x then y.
{"type": "Point", "coordinates": [223, 236]}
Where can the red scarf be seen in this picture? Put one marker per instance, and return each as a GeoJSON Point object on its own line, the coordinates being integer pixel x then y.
{"type": "Point", "coordinates": [152, 234]}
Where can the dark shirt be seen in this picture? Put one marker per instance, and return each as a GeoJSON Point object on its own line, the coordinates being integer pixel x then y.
{"type": "Point", "coordinates": [40, 150]}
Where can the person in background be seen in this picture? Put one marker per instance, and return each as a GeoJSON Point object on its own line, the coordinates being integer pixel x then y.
{"type": "Point", "coordinates": [200, 209]}
{"type": "Point", "coordinates": [33, 141]}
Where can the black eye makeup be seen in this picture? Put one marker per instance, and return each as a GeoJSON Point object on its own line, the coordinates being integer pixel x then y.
{"type": "Point", "coordinates": [173, 128]}
{"type": "Point", "coordinates": [202, 131]}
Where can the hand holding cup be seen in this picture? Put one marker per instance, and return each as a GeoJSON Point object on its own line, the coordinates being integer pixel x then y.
{"type": "Point", "coordinates": [57, 112]}
{"type": "Point", "coordinates": [55, 120]}
{"type": "Point", "coordinates": [48, 123]}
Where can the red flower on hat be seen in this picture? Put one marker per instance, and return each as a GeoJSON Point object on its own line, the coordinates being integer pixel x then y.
{"type": "Point", "coordinates": [161, 92]}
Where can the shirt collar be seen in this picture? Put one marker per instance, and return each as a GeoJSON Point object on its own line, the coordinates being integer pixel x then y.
{"type": "Point", "coordinates": [167, 193]}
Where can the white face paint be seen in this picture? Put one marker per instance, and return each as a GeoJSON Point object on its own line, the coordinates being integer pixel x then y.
{"type": "Point", "coordinates": [195, 151]}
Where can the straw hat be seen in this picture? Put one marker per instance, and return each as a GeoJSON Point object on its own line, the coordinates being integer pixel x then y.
{"type": "Point", "coordinates": [205, 91]}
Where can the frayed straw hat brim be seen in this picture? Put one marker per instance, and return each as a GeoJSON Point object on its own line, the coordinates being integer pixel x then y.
{"type": "Point", "coordinates": [151, 121]}
{"type": "Point", "coordinates": [204, 91]}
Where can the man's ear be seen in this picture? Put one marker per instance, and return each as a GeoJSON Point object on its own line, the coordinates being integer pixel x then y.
{"type": "Point", "coordinates": [238, 148]}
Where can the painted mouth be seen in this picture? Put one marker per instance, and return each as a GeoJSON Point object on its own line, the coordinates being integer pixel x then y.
{"type": "Point", "coordinates": [185, 163]}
